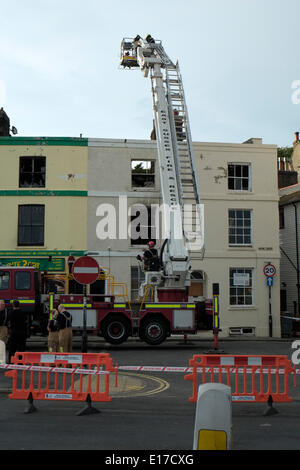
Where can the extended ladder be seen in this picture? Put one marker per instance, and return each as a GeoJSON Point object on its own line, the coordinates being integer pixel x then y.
{"type": "Point", "coordinates": [183, 150]}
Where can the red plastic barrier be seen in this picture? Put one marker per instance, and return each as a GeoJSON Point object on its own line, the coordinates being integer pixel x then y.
{"type": "Point", "coordinates": [233, 371]}
{"type": "Point", "coordinates": [60, 382]}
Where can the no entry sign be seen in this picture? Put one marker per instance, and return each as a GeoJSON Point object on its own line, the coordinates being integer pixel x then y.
{"type": "Point", "coordinates": [85, 270]}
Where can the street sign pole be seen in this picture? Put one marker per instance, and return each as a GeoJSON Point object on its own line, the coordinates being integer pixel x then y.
{"type": "Point", "coordinates": [216, 325]}
{"type": "Point", "coordinates": [270, 314]}
{"type": "Point", "coordinates": [85, 271]}
{"type": "Point", "coordinates": [269, 272]}
{"type": "Point", "coordinates": [84, 342]}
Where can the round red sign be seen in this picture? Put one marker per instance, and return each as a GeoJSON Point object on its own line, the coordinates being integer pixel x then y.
{"type": "Point", "coordinates": [85, 270]}
{"type": "Point", "coordinates": [269, 270]}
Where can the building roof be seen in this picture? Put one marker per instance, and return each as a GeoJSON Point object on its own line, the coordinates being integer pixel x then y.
{"type": "Point", "coordinates": [289, 194]}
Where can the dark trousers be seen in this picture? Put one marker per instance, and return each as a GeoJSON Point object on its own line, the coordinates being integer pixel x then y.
{"type": "Point", "coordinates": [16, 343]}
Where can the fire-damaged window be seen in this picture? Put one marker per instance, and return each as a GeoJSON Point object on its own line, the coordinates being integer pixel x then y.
{"type": "Point", "coordinates": [31, 225]}
{"type": "Point", "coordinates": [142, 225]}
{"type": "Point", "coordinates": [143, 173]}
{"type": "Point", "coordinates": [32, 172]}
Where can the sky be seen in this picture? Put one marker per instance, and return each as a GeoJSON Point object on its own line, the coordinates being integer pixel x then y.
{"type": "Point", "coordinates": [239, 59]}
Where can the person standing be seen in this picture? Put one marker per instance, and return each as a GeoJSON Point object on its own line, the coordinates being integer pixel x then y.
{"type": "Point", "coordinates": [17, 323]}
{"type": "Point", "coordinates": [64, 323]}
{"type": "Point", "coordinates": [3, 322]}
{"type": "Point", "coordinates": [151, 258]}
{"type": "Point", "coordinates": [53, 340]}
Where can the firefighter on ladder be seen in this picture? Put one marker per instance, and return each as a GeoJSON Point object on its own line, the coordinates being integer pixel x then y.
{"type": "Point", "coordinates": [150, 258]}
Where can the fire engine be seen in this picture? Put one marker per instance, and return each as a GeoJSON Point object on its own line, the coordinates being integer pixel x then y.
{"type": "Point", "coordinates": [164, 306]}
{"type": "Point", "coordinates": [110, 314]}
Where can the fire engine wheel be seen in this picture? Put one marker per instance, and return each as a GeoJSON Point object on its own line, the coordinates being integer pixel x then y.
{"type": "Point", "coordinates": [115, 329]}
{"type": "Point", "coordinates": [153, 331]}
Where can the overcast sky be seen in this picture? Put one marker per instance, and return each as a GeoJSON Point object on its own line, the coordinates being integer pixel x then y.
{"type": "Point", "coordinates": [60, 74]}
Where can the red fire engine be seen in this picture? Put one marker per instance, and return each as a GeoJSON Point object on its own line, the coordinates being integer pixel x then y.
{"type": "Point", "coordinates": [109, 314]}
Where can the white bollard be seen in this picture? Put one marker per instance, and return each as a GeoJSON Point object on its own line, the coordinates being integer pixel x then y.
{"type": "Point", "coordinates": [2, 352]}
{"type": "Point", "coordinates": [213, 420]}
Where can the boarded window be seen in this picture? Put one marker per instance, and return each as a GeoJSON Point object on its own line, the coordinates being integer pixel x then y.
{"type": "Point", "coordinates": [31, 225]}
{"type": "Point", "coordinates": [196, 287]}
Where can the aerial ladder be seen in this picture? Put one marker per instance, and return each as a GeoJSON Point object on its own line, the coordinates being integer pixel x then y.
{"type": "Point", "coordinates": [182, 211]}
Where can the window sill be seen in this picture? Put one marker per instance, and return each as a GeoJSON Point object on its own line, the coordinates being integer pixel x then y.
{"type": "Point", "coordinates": [238, 247]}
{"type": "Point", "coordinates": [242, 307]}
{"type": "Point", "coordinates": [33, 247]}
{"type": "Point", "coordinates": [32, 187]}
{"type": "Point", "coordinates": [144, 188]}
{"type": "Point", "coordinates": [239, 191]}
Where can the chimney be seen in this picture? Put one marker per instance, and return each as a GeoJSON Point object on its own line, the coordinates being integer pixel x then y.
{"type": "Point", "coordinates": [4, 123]}
{"type": "Point", "coordinates": [296, 137]}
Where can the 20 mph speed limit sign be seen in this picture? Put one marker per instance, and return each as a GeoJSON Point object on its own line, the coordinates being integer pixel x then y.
{"type": "Point", "coordinates": [269, 270]}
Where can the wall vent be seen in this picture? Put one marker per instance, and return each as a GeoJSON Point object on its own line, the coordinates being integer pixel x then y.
{"type": "Point", "coordinates": [242, 331]}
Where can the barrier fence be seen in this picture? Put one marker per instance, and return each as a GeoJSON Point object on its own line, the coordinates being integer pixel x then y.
{"type": "Point", "coordinates": [61, 376]}
{"type": "Point", "coordinates": [46, 376]}
{"type": "Point", "coordinates": [232, 371]}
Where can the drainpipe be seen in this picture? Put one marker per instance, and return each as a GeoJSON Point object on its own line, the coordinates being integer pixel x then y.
{"type": "Point", "coordinates": [297, 254]}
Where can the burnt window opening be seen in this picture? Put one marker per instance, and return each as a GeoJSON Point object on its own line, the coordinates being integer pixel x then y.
{"type": "Point", "coordinates": [31, 225]}
{"type": "Point", "coordinates": [142, 226]}
{"type": "Point", "coordinates": [143, 173]}
{"type": "Point", "coordinates": [32, 172]}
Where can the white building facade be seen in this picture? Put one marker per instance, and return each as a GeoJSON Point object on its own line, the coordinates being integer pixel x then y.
{"type": "Point", "coordinates": [238, 188]}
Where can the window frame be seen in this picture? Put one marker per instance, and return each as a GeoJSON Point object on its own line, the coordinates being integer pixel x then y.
{"type": "Point", "coordinates": [23, 243]}
{"type": "Point", "coordinates": [242, 227]}
{"type": "Point", "coordinates": [32, 173]}
{"type": "Point", "coordinates": [238, 294]}
{"type": "Point", "coordinates": [143, 173]}
{"type": "Point", "coordinates": [235, 178]}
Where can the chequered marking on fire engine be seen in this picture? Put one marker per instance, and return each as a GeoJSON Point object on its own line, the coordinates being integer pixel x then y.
{"type": "Point", "coordinates": [131, 385]}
